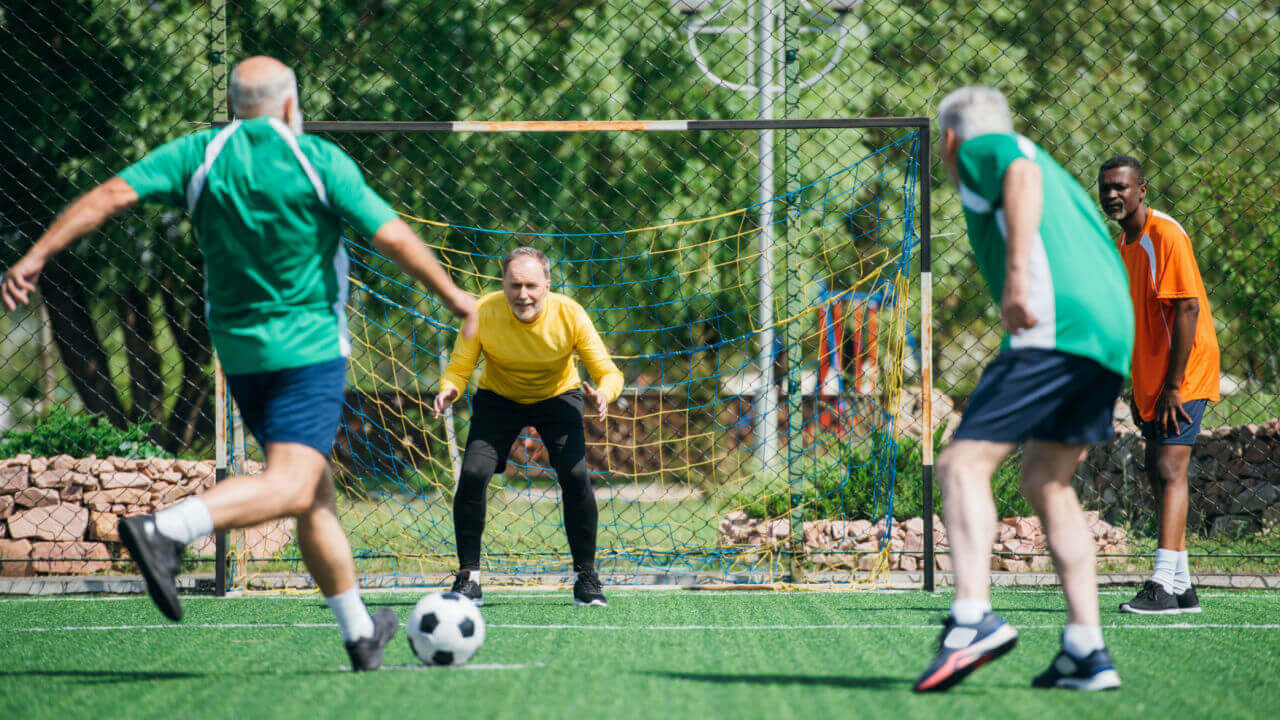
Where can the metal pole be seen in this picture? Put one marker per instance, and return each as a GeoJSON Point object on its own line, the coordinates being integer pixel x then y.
{"type": "Point", "coordinates": [47, 363]}
{"type": "Point", "coordinates": [218, 97]}
{"type": "Point", "coordinates": [793, 301]}
{"type": "Point", "coordinates": [766, 397]}
{"type": "Point", "coordinates": [926, 353]}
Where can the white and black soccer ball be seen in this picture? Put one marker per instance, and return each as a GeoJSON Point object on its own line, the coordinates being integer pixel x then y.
{"type": "Point", "coordinates": [445, 628]}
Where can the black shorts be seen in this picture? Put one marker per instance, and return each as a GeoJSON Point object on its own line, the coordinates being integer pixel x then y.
{"type": "Point", "coordinates": [496, 422]}
{"type": "Point", "coordinates": [1033, 394]}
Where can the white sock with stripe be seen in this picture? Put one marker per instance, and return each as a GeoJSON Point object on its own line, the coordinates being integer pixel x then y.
{"type": "Point", "coordinates": [1080, 640]}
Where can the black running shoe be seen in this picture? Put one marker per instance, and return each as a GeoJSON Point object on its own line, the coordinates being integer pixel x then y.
{"type": "Point", "coordinates": [366, 653]}
{"type": "Point", "coordinates": [588, 591]}
{"type": "Point", "coordinates": [1188, 602]}
{"type": "Point", "coordinates": [965, 648]}
{"type": "Point", "coordinates": [159, 559]}
{"type": "Point", "coordinates": [468, 588]}
{"type": "Point", "coordinates": [1152, 599]}
{"type": "Point", "coordinates": [1095, 672]}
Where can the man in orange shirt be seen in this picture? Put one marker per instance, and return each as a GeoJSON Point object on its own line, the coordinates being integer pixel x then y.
{"type": "Point", "coordinates": [1175, 367]}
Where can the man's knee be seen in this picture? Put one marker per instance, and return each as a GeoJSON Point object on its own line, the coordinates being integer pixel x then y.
{"type": "Point", "coordinates": [475, 474]}
{"type": "Point", "coordinates": [299, 491]}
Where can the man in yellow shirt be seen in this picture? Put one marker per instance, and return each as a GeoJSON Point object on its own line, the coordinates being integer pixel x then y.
{"type": "Point", "coordinates": [528, 336]}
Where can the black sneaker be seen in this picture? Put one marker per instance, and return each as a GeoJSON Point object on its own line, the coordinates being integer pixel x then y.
{"type": "Point", "coordinates": [588, 591]}
{"type": "Point", "coordinates": [159, 559]}
{"type": "Point", "coordinates": [366, 653]}
{"type": "Point", "coordinates": [1188, 602]}
{"type": "Point", "coordinates": [1095, 672]}
{"type": "Point", "coordinates": [468, 588]}
{"type": "Point", "coordinates": [1152, 599]}
{"type": "Point", "coordinates": [965, 648]}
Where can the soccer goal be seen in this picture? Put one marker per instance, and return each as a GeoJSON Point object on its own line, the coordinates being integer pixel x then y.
{"type": "Point", "coordinates": [763, 307]}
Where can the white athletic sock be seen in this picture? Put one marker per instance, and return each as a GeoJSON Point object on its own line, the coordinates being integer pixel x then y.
{"type": "Point", "coordinates": [354, 621]}
{"type": "Point", "coordinates": [969, 611]}
{"type": "Point", "coordinates": [1166, 567]}
{"type": "Point", "coordinates": [1182, 576]}
{"type": "Point", "coordinates": [1080, 640]}
{"type": "Point", "coordinates": [185, 522]}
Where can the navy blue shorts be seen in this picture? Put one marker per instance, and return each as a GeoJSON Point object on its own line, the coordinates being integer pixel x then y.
{"type": "Point", "coordinates": [295, 405]}
{"type": "Point", "coordinates": [1186, 434]}
{"type": "Point", "coordinates": [1033, 394]}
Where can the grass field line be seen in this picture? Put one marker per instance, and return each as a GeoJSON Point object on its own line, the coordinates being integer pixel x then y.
{"type": "Point", "coordinates": [651, 628]}
{"type": "Point", "coordinates": [647, 591]}
{"type": "Point", "coordinates": [469, 666]}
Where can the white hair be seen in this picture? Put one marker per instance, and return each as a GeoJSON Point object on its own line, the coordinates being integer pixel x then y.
{"type": "Point", "coordinates": [267, 96]}
{"type": "Point", "coordinates": [530, 253]}
{"type": "Point", "coordinates": [974, 110]}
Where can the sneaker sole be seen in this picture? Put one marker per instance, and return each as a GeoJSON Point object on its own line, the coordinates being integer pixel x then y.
{"type": "Point", "coordinates": [589, 603]}
{"type": "Point", "coordinates": [1000, 642]}
{"type": "Point", "coordinates": [1126, 608]}
{"type": "Point", "coordinates": [1105, 680]}
{"type": "Point", "coordinates": [1193, 610]}
{"type": "Point", "coordinates": [171, 608]}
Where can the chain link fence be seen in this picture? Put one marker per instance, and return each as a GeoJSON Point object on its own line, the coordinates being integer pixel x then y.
{"type": "Point", "coordinates": [1193, 89]}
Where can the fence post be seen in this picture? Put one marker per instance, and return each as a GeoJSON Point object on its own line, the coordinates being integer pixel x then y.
{"type": "Point", "coordinates": [218, 101]}
{"type": "Point", "coordinates": [792, 288]}
{"type": "Point", "coordinates": [926, 355]}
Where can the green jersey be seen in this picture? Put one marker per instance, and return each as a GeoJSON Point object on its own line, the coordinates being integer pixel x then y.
{"type": "Point", "coordinates": [1079, 289]}
{"type": "Point", "coordinates": [268, 207]}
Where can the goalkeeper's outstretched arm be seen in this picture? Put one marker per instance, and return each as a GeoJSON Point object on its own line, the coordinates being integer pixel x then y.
{"type": "Point", "coordinates": [81, 217]}
{"type": "Point", "coordinates": [396, 240]}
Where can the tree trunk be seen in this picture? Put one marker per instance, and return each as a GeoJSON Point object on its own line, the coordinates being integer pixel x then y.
{"type": "Point", "coordinates": [190, 417]}
{"type": "Point", "coordinates": [146, 380]}
{"type": "Point", "coordinates": [75, 334]}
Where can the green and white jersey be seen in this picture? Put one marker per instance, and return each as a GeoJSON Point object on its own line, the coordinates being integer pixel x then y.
{"type": "Point", "coordinates": [1079, 289]}
{"type": "Point", "coordinates": [268, 207]}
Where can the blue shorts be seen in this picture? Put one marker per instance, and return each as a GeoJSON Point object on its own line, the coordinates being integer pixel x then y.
{"type": "Point", "coordinates": [296, 405]}
{"type": "Point", "coordinates": [1186, 434]}
{"type": "Point", "coordinates": [1034, 394]}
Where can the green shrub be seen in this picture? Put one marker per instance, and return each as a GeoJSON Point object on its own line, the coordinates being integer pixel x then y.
{"type": "Point", "coordinates": [80, 435]}
{"type": "Point", "coordinates": [845, 487]}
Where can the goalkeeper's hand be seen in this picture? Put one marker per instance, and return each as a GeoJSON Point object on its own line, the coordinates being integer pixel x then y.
{"type": "Point", "coordinates": [443, 401]}
{"type": "Point", "coordinates": [597, 397]}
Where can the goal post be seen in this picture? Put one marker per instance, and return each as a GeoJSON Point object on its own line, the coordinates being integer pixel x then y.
{"type": "Point", "coordinates": [398, 472]}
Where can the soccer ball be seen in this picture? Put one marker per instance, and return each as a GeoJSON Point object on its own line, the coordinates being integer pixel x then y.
{"type": "Point", "coordinates": [445, 628]}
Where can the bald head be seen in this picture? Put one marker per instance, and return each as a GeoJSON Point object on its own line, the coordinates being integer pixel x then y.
{"type": "Point", "coordinates": [262, 86]}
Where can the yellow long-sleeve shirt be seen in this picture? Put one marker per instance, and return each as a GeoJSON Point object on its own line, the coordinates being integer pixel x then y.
{"type": "Point", "coordinates": [531, 362]}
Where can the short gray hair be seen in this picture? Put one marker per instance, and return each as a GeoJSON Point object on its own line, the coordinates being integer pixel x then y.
{"type": "Point", "coordinates": [974, 110]}
{"type": "Point", "coordinates": [526, 252]}
{"type": "Point", "coordinates": [264, 97]}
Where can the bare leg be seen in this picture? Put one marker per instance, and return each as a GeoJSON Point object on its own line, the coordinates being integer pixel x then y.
{"type": "Point", "coordinates": [288, 488]}
{"type": "Point", "coordinates": [324, 544]}
{"type": "Point", "coordinates": [1168, 475]}
{"type": "Point", "coordinates": [964, 471]}
{"type": "Point", "coordinates": [1046, 482]}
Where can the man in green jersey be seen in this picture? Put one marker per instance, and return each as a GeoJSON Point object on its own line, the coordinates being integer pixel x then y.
{"type": "Point", "coordinates": [268, 204]}
{"type": "Point", "coordinates": [1049, 264]}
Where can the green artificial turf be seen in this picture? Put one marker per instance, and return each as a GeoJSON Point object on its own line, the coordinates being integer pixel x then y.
{"type": "Point", "coordinates": [640, 657]}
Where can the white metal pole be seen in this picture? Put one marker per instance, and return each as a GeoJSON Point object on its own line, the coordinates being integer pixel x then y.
{"type": "Point", "coordinates": [766, 399]}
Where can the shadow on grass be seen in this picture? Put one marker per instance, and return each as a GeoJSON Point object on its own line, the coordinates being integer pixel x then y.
{"type": "Point", "coordinates": [869, 683]}
{"type": "Point", "coordinates": [102, 677]}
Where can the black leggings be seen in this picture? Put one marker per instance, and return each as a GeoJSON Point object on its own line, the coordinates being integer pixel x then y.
{"type": "Point", "coordinates": [496, 422]}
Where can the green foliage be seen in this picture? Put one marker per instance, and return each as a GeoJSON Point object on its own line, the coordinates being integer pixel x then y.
{"type": "Point", "coordinates": [62, 432]}
{"type": "Point", "coordinates": [846, 487]}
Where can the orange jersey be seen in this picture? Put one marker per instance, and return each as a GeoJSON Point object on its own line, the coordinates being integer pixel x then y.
{"type": "Point", "coordinates": [1162, 268]}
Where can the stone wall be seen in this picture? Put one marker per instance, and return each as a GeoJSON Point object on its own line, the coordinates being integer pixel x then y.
{"type": "Point", "coordinates": [1234, 480]}
{"type": "Point", "coordinates": [1020, 542]}
{"type": "Point", "coordinates": [58, 515]}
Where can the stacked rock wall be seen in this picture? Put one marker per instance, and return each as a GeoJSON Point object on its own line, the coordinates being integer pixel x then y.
{"type": "Point", "coordinates": [1234, 479]}
{"type": "Point", "coordinates": [58, 515]}
{"type": "Point", "coordinates": [1020, 542]}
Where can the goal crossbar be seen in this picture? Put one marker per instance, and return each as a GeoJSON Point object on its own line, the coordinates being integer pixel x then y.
{"type": "Point", "coordinates": [566, 126]}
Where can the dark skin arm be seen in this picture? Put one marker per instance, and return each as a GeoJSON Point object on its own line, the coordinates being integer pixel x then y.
{"type": "Point", "coordinates": [1186, 311]}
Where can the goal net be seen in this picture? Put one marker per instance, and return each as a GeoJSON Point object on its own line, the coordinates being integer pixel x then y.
{"type": "Point", "coordinates": [764, 331]}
